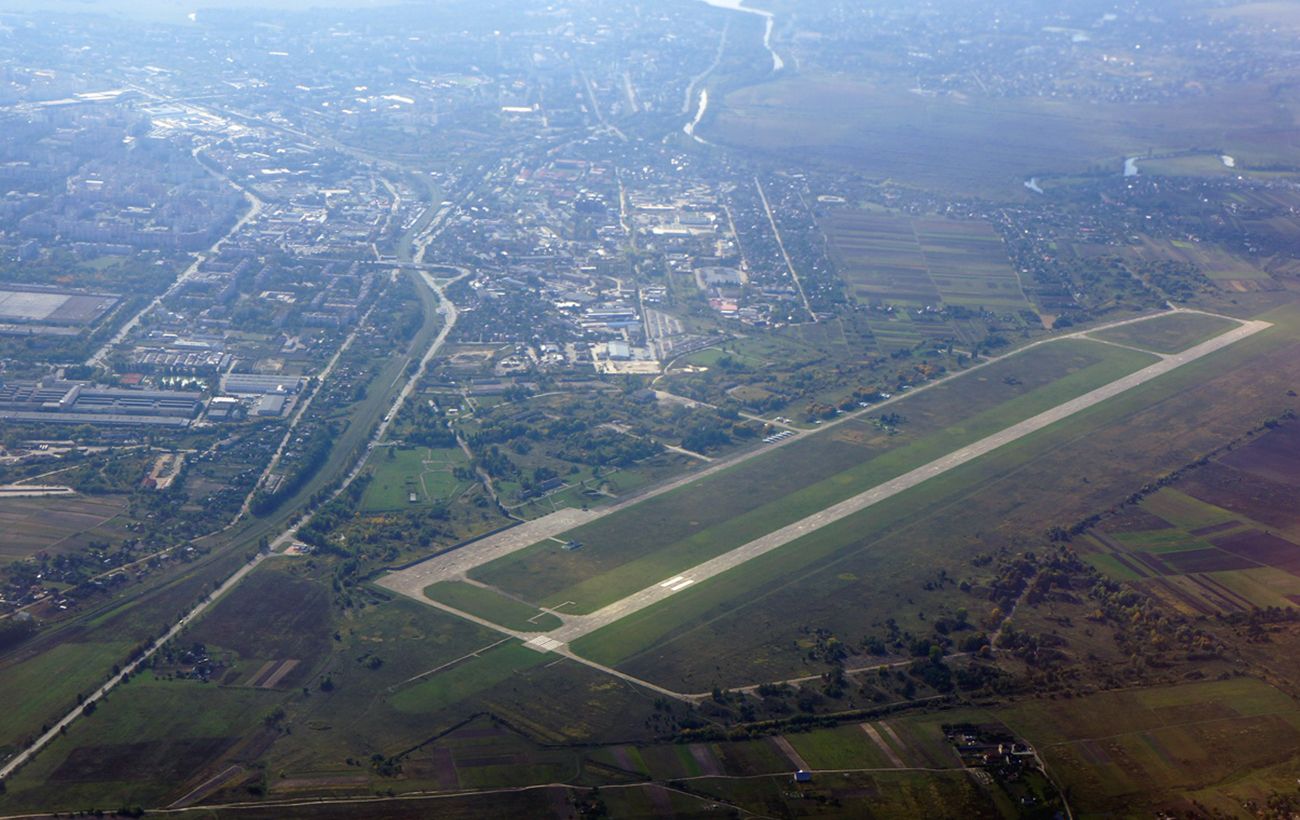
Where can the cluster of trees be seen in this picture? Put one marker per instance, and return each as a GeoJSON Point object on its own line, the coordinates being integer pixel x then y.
{"type": "Point", "coordinates": [606, 448]}
{"type": "Point", "coordinates": [117, 473]}
{"type": "Point", "coordinates": [424, 426]}
{"type": "Point", "coordinates": [14, 631]}
{"type": "Point", "coordinates": [305, 464]}
{"type": "Point", "coordinates": [705, 436]}
{"type": "Point", "coordinates": [334, 514]}
{"type": "Point", "coordinates": [404, 311]}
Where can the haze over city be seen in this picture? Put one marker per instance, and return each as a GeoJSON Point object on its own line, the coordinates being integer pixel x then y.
{"type": "Point", "coordinates": [613, 408]}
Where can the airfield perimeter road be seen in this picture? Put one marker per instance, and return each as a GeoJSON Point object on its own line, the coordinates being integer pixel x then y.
{"type": "Point", "coordinates": [576, 626]}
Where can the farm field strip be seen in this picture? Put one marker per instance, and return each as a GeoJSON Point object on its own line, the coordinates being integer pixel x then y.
{"type": "Point", "coordinates": [923, 261]}
{"type": "Point", "coordinates": [577, 626]}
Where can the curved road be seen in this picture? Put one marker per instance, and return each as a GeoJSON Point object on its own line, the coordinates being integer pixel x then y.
{"type": "Point", "coordinates": [255, 208]}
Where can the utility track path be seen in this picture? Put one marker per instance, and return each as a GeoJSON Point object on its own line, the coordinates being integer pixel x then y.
{"type": "Point", "coordinates": [576, 626]}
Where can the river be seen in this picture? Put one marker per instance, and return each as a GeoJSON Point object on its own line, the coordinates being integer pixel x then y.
{"type": "Point", "coordinates": [702, 104]}
{"type": "Point", "coordinates": [769, 20]}
{"type": "Point", "coordinates": [689, 128]}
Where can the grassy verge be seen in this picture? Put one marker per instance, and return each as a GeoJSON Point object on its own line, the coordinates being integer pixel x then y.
{"type": "Point", "coordinates": [1171, 333]}
{"type": "Point", "coordinates": [399, 472]}
{"type": "Point", "coordinates": [459, 682]}
{"type": "Point", "coordinates": [493, 606]}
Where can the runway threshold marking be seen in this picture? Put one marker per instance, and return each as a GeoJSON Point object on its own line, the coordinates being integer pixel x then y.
{"type": "Point", "coordinates": [543, 644]}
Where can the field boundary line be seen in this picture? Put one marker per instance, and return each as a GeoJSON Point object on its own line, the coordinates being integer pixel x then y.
{"type": "Point", "coordinates": [207, 786]}
{"type": "Point", "coordinates": [890, 752]}
{"type": "Point", "coordinates": [459, 793]}
{"type": "Point", "coordinates": [435, 670]}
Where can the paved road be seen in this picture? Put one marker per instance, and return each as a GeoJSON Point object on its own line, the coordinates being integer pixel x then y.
{"type": "Point", "coordinates": [780, 243]}
{"type": "Point", "coordinates": [22, 757]}
{"type": "Point", "coordinates": [455, 564]}
{"type": "Point", "coordinates": [33, 491]}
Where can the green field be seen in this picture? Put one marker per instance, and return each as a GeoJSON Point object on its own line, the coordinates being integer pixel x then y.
{"type": "Point", "coordinates": [143, 744]}
{"type": "Point", "coordinates": [1170, 333]}
{"type": "Point", "coordinates": [1184, 511]}
{"type": "Point", "coordinates": [51, 681]}
{"type": "Point", "coordinates": [493, 606]}
{"type": "Point", "coordinates": [1115, 750]}
{"type": "Point", "coordinates": [400, 472]}
{"type": "Point", "coordinates": [844, 747]}
{"type": "Point", "coordinates": [459, 682]}
{"type": "Point", "coordinates": [633, 548]}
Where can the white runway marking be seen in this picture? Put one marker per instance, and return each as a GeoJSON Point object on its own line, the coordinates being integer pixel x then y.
{"type": "Point", "coordinates": [671, 581]}
{"type": "Point", "coordinates": [543, 644]}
